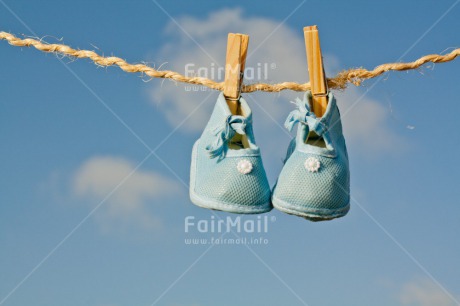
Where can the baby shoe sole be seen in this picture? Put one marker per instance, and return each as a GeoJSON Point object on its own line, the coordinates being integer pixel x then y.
{"type": "Point", "coordinates": [218, 205]}
{"type": "Point", "coordinates": [312, 214]}
{"type": "Point", "coordinates": [228, 207]}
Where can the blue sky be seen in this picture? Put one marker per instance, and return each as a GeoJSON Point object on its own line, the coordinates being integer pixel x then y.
{"type": "Point", "coordinates": [72, 132]}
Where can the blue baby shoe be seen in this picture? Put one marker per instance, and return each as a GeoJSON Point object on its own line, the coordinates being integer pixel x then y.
{"type": "Point", "coordinates": [315, 180]}
{"type": "Point", "coordinates": [227, 171]}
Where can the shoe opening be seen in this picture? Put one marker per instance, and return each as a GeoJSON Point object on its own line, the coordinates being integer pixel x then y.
{"type": "Point", "coordinates": [238, 141]}
{"type": "Point", "coordinates": [314, 139]}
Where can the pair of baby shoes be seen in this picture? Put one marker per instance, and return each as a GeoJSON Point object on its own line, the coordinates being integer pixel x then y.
{"type": "Point", "coordinates": [227, 172]}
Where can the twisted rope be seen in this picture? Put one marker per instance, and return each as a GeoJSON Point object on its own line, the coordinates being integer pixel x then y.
{"type": "Point", "coordinates": [340, 81]}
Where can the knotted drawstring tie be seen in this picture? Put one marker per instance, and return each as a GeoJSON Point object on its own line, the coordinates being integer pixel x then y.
{"type": "Point", "coordinates": [233, 124]}
{"type": "Point", "coordinates": [303, 115]}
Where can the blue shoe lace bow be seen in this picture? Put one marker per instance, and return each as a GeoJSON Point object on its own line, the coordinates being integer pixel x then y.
{"type": "Point", "coordinates": [233, 124]}
{"type": "Point", "coordinates": [303, 115]}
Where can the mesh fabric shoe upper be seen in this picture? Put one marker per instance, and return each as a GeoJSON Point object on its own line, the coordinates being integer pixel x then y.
{"type": "Point", "coordinates": [315, 180]}
{"type": "Point", "coordinates": [227, 171]}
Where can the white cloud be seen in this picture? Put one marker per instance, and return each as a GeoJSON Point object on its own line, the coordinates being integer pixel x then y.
{"type": "Point", "coordinates": [130, 204]}
{"type": "Point", "coordinates": [211, 34]}
{"type": "Point", "coordinates": [423, 292]}
{"type": "Point", "coordinates": [270, 42]}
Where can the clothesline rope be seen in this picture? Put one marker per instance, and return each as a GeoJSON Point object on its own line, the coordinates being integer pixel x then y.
{"type": "Point", "coordinates": [340, 81]}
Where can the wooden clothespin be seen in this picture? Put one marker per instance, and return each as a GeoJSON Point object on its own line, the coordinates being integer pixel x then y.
{"type": "Point", "coordinates": [237, 48]}
{"type": "Point", "coordinates": [318, 79]}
